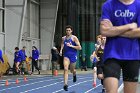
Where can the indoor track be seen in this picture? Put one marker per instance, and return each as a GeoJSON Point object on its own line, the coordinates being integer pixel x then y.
{"type": "Point", "coordinates": [49, 84]}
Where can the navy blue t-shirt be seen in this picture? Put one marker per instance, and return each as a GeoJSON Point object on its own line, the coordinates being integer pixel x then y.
{"type": "Point", "coordinates": [120, 14]}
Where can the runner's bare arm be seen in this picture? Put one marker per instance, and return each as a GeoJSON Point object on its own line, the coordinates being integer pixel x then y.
{"type": "Point", "coordinates": [108, 30]}
{"type": "Point", "coordinates": [95, 55]}
{"type": "Point", "coordinates": [135, 33]}
{"type": "Point", "coordinates": [78, 46]}
{"type": "Point", "coordinates": [62, 46]}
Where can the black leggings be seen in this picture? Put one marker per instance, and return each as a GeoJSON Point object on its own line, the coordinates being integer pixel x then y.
{"type": "Point", "coordinates": [34, 64]}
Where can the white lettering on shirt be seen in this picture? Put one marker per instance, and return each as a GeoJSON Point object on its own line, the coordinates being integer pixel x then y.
{"type": "Point", "coordinates": [126, 13]}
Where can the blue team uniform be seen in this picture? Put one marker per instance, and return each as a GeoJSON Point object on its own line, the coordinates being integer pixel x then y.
{"type": "Point", "coordinates": [1, 58]}
{"type": "Point", "coordinates": [35, 54]}
{"type": "Point", "coordinates": [69, 52]}
{"type": "Point", "coordinates": [18, 57]}
{"type": "Point", "coordinates": [94, 60]}
{"type": "Point", "coordinates": [119, 14]}
{"type": "Point", "coordinates": [23, 55]}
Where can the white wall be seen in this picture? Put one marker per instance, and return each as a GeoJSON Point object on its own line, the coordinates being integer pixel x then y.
{"type": "Point", "coordinates": [15, 20]}
{"type": "Point", "coordinates": [31, 27]}
{"type": "Point", "coordinates": [1, 21]}
{"type": "Point", "coordinates": [2, 41]}
{"type": "Point", "coordinates": [2, 34]}
{"type": "Point", "coordinates": [48, 19]}
{"type": "Point", "coordinates": [33, 24]}
{"type": "Point", "coordinates": [0, 3]}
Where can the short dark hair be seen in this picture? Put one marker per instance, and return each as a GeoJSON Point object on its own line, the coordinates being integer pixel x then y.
{"type": "Point", "coordinates": [69, 26]}
{"type": "Point", "coordinates": [16, 48]}
{"type": "Point", "coordinates": [24, 46]}
{"type": "Point", "coordinates": [34, 47]}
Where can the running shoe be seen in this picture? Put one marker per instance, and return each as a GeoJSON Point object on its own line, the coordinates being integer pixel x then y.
{"type": "Point", "coordinates": [74, 78]}
{"type": "Point", "coordinates": [94, 84]}
{"type": "Point", "coordinates": [39, 72]}
{"type": "Point", "coordinates": [65, 87]}
{"type": "Point", "coordinates": [103, 90]}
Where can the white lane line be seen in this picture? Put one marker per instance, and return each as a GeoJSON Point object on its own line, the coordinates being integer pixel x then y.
{"type": "Point", "coordinates": [11, 82]}
{"type": "Point", "coordinates": [22, 78]}
{"type": "Point", "coordinates": [48, 85]}
{"type": "Point", "coordinates": [41, 87]}
{"type": "Point", "coordinates": [72, 86]}
{"type": "Point", "coordinates": [31, 79]}
{"type": "Point", "coordinates": [92, 88]}
{"type": "Point", "coordinates": [29, 84]}
{"type": "Point", "coordinates": [120, 89]}
{"type": "Point", "coordinates": [34, 78]}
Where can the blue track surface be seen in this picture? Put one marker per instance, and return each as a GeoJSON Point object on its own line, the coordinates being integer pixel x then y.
{"type": "Point", "coordinates": [49, 84]}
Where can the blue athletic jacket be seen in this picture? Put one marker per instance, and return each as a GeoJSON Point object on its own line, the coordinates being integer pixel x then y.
{"type": "Point", "coordinates": [18, 56]}
{"type": "Point", "coordinates": [35, 54]}
{"type": "Point", "coordinates": [1, 57]}
{"type": "Point", "coordinates": [23, 55]}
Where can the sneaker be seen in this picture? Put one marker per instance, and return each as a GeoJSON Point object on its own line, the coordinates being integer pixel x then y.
{"type": "Point", "coordinates": [19, 72]}
{"type": "Point", "coordinates": [94, 84]}
{"type": "Point", "coordinates": [38, 72]}
{"type": "Point", "coordinates": [103, 90]}
{"type": "Point", "coordinates": [74, 78]}
{"type": "Point", "coordinates": [31, 73]}
{"type": "Point", "coordinates": [65, 87]}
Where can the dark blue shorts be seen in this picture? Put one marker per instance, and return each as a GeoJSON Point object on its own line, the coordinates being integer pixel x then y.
{"type": "Point", "coordinates": [71, 57]}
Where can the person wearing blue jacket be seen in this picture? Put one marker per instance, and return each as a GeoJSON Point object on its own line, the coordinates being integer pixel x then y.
{"type": "Point", "coordinates": [17, 59]}
{"type": "Point", "coordinates": [23, 59]}
{"type": "Point", "coordinates": [23, 53]}
{"type": "Point", "coordinates": [35, 56]}
{"type": "Point", "coordinates": [1, 58]}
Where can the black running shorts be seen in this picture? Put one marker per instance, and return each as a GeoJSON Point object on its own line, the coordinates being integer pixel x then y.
{"type": "Point", "coordinates": [130, 69]}
{"type": "Point", "coordinates": [94, 65]}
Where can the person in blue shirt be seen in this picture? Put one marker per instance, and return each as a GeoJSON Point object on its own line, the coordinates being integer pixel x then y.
{"type": "Point", "coordinates": [70, 44]}
{"type": "Point", "coordinates": [17, 59]}
{"type": "Point", "coordinates": [119, 18]}
{"type": "Point", "coordinates": [23, 53]}
{"type": "Point", "coordinates": [1, 58]}
{"type": "Point", "coordinates": [23, 59]}
{"type": "Point", "coordinates": [35, 56]}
